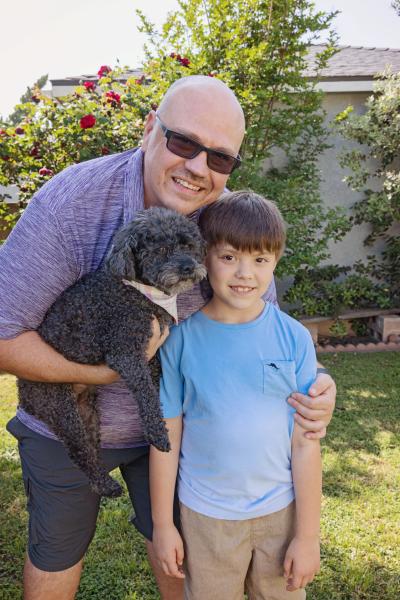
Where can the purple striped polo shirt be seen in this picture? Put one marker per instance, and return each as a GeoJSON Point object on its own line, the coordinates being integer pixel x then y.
{"type": "Point", "coordinates": [64, 233]}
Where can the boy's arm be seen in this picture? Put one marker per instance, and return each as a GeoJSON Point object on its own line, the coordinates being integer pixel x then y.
{"type": "Point", "coordinates": [303, 555]}
{"type": "Point", "coordinates": [168, 545]}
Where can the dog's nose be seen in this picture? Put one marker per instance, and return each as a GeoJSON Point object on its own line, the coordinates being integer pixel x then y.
{"type": "Point", "coordinates": [186, 267]}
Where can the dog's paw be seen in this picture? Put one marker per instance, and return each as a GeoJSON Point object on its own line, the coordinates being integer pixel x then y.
{"type": "Point", "coordinates": [107, 487]}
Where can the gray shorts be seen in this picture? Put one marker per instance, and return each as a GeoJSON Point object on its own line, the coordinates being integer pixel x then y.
{"type": "Point", "coordinates": [62, 508]}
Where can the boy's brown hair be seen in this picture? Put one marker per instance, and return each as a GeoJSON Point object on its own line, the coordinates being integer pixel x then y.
{"type": "Point", "coordinates": [246, 221]}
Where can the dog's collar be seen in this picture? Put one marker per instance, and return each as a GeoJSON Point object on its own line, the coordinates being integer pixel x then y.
{"type": "Point", "coordinates": [156, 296]}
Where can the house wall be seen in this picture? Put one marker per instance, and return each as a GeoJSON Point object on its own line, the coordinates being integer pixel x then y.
{"type": "Point", "coordinates": [334, 191]}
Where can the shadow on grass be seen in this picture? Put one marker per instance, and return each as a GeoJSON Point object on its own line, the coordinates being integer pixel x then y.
{"type": "Point", "coordinates": [367, 401]}
{"type": "Point", "coordinates": [343, 478]}
{"type": "Point", "coordinates": [351, 577]}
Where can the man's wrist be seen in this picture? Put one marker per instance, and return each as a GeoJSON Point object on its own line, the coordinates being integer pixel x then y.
{"type": "Point", "coordinates": [322, 370]}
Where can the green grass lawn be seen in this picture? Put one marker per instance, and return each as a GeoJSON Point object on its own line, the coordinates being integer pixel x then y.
{"type": "Point", "coordinates": [361, 504]}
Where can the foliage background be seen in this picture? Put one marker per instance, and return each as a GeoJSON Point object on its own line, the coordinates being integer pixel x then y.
{"type": "Point", "coordinates": [259, 48]}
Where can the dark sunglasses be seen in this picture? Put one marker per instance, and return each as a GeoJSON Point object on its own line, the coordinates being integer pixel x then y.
{"type": "Point", "coordinates": [182, 146]}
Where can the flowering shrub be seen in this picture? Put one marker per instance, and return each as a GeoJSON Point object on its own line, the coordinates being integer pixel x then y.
{"type": "Point", "coordinates": [101, 117]}
{"type": "Point", "coordinates": [259, 49]}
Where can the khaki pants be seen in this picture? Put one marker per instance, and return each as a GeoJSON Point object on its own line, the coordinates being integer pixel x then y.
{"type": "Point", "coordinates": [223, 559]}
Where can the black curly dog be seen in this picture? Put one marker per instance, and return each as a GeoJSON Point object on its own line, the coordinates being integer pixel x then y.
{"type": "Point", "coordinates": [101, 320]}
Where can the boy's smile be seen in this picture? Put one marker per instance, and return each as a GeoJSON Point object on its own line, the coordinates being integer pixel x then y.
{"type": "Point", "coordinates": [239, 279]}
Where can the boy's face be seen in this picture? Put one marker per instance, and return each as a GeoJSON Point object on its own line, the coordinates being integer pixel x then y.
{"type": "Point", "coordinates": [239, 280]}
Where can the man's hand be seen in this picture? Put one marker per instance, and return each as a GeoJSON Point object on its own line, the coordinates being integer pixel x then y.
{"type": "Point", "coordinates": [156, 340]}
{"type": "Point", "coordinates": [168, 549]}
{"type": "Point", "coordinates": [314, 412]}
{"type": "Point", "coordinates": [301, 562]}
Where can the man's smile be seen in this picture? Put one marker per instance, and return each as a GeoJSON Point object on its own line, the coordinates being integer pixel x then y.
{"type": "Point", "coordinates": [186, 184]}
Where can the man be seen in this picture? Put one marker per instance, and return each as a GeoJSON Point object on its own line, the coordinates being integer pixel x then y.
{"type": "Point", "coordinates": [66, 232]}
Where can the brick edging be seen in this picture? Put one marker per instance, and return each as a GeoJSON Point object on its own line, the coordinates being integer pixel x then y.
{"type": "Point", "coordinates": [370, 347]}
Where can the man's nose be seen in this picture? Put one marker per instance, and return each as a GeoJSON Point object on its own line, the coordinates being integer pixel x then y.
{"type": "Point", "coordinates": [198, 165]}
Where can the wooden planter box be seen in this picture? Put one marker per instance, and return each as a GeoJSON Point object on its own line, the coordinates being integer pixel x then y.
{"type": "Point", "coordinates": [383, 322]}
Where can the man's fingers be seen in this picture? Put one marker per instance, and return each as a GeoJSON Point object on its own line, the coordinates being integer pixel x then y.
{"type": "Point", "coordinates": [309, 425]}
{"type": "Point", "coordinates": [156, 339]}
{"type": "Point", "coordinates": [316, 435]}
{"type": "Point", "coordinates": [301, 400]}
{"type": "Point", "coordinates": [312, 414]}
{"type": "Point", "coordinates": [322, 383]}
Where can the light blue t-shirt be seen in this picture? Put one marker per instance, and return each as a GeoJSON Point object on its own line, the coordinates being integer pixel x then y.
{"type": "Point", "coordinates": [230, 382]}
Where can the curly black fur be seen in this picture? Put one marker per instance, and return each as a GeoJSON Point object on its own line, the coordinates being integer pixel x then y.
{"type": "Point", "coordinates": [101, 320]}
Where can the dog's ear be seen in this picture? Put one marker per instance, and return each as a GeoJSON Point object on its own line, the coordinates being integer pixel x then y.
{"type": "Point", "coordinates": [121, 258]}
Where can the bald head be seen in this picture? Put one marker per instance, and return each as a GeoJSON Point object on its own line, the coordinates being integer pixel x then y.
{"type": "Point", "coordinates": [199, 109]}
{"type": "Point", "coordinates": [212, 93]}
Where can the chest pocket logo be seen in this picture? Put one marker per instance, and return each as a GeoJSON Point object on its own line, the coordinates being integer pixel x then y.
{"type": "Point", "coordinates": [279, 378]}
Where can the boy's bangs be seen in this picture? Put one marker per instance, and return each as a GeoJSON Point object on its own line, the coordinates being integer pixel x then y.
{"type": "Point", "coordinates": [251, 237]}
{"type": "Point", "coordinates": [245, 221]}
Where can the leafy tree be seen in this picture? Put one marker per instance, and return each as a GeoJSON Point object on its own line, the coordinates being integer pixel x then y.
{"type": "Point", "coordinates": [375, 171]}
{"type": "Point", "coordinates": [260, 49]}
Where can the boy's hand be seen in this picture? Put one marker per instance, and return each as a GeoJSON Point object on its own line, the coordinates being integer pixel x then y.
{"type": "Point", "coordinates": [314, 412]}
{"type": "Point", "coordinates": [301, 562]}
{"type": "Point", "coordinates": [168, 548]}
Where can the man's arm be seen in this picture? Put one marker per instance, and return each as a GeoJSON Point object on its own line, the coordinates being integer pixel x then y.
{"type": "Point", "coordinates": [167, 543]}
{"type": "Point", "coordinates": [315, 411]}
{"type": "Point", "coordinates": [29, 357]}
{"type": "Point", "coordinates": [303, 554]}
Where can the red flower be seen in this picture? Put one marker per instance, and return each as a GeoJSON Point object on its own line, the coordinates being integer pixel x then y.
{"type": "Point", "coordinates": [35, 98]}
{"type": "Point", "coordinates": [34, 151]}
{"type": "Point", "coordinates": [6, 158]}
{"type": "Point", "coordinates": [103, 71]}
{"type": "Point", "coordinates": [105, 151]}
{"type": "Point", "coordinates": [212, 74]}
{"type": "Point", "coordinates": [154, 106]}
{"type": "Point", "coordinates": [45, 172]}
{"type": "Point", "coordinates": [113, 97]}
{"type": "Point", "coordinates": [87, 121]}
{"type": "Point", "coordinates": [185, 62]}
{"type": "Point", "coordinates": [140, 81]}
{"type": "Point", "coordinates": [19, 131]}
{"type": "Point", "coordinates": [3, 132]}
{"type": "Point", "coordinates": [89, 85]}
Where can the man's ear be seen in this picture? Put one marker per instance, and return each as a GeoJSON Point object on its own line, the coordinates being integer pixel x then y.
{"type": "Point", "coordinates": [148, 128]}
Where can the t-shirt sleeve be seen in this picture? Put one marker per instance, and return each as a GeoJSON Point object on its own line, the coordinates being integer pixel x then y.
{"type": "Point", "coordinates": [37, 263]}
{"type": "Point", "coordinates": [306, 361]}
{"type": "Point", "coordinates": [172, 383]}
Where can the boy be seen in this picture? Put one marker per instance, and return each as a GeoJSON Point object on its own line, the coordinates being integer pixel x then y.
{"type": "Point", "coordinates": [227, 372]}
